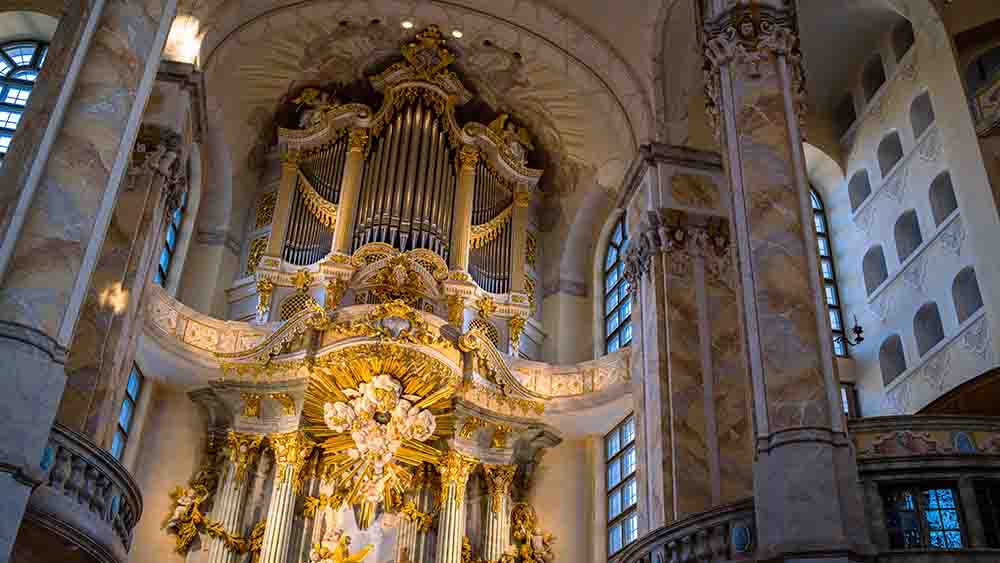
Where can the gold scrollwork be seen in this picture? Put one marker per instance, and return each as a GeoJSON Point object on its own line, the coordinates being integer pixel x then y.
{"type": "Point", "coordinates": [485, 233]}
{"type": "Point", "coordinates": [286, 402]}
{"type": "Point", "coordinates": [423, 520]}
{"type": "Point", "coordinates": [291, 452]}
{"type": "Point", "coordinates": [516, 328]}
{"type": "Point", "coordinates": [251, 404]}
{"type": "Point", "coordinates": [319, 206]}
{"type": "Point", "coordinates": [243, 450]}
{"type": "Point", "coordinates": [470, 425]}
{"type": "Point", "coordinates": [498, 481]}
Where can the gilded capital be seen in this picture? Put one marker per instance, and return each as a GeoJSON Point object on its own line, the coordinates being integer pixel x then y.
{"type": "Point", "coordinates": [498, 481]}
{"type": "Point", "coordinates": [522, 198]}
{"type": "Point", "coordinates": [291, 159]}
{"type": "Point", "coordinates": [243, 451]}
{"type": "Point", "coordinates": [291, 449]}
{"type": "Point", "coordinates": [468, 156]}
{"type": "Point", "coordinates": [516, 328]}
{"type": "Point", "coordinates": [359, 139]}
{"type": "Point", "coordinates": [456, 309]}
{"type": "Point", "coordinates": [455, 468]}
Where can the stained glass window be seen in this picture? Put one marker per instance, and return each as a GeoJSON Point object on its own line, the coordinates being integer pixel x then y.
{"type": "Point", "coordinates": [617, 304]}
{"type": "Point", "coordinates": [126, 416]}
{"type": "Point", "coordinates": [921, 517]}
{"type": "Point", "coordinates": [20, 62]}
{"type": "Point", "coordinates": [170, 246]}
{"type": "Point", "coordinates": [621, 485]}
{"type": "Point", "coordinates": [830, 291]}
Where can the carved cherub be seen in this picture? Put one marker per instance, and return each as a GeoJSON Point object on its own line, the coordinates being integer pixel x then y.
{"type": "Point", "coordinates": [316, 102]}
{"type": "Point", "coordinates": [517, 139]}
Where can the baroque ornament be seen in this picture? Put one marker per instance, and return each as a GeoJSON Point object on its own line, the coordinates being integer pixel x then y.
{"type": "Point", "coordinates": [335, 548]}
{"type": "Point", "coordinates": [243, 451]}
{"type": "Point", "coordinates": [498, 481]}
{"type": "Point", "coordinates": [534, 545]}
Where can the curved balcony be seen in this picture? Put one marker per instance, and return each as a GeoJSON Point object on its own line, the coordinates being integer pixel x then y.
{"type": "Point", "coordinates": [725, 533]}
{"type": "Point", "coordinates": [86, 505]}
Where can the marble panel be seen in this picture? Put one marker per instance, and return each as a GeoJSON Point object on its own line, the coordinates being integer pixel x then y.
{"type": "Point", "coordinates": [694, 191]}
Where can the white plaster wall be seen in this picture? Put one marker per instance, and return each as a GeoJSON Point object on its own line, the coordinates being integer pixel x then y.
{"type": "Point", "coordinates": [562, 495]}
{"type": "Point", "coordinates": [927, 274]}
{"type": "Point", "coordinates": [169, 452]}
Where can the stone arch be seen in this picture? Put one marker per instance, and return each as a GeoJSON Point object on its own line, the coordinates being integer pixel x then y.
{"type": "Point", "coordinates": [902, 38]}
{"type": "Point", "coordinates": [873, 76]}
{"type": "Point", "coordinates": [859, 188]}
{"type": "Point", "coordinates": [927, 327]}
{"type": "Point", "coordinates": [921, 114]}
{"type": "Point", "coordinates": [965, 294]}
{"type": "Point", "coordinates": [874, 268]}
{"type": "Point", "coordinates": [907, 234]}
{"type": "Point", "coordinates": [891, 359]}
{"type": "Point", "coordinates": [942, 198]}
{"type": "Point", "coordinates": [890, 152]}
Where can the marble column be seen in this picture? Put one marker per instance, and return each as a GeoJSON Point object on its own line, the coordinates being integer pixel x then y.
{"type": "Point", "coordinates": [228, 510]}
{"type": "Point", "coordinates": [497, 529]}
{"type": "Point", "coordinates": [350, 188]}
{"type": "Point", "coordinates": [455, 469]}
{"type": "Point", "coordinates": [283, 205]}
{"type": "Point", "coordinates": [807, 498]}
{"type": "Point", "coordinates": [61, 180]}
{"type": "Point", "coordinates": [291, 451]}
{"type": "Point", "coordinates": [101, 355]}
{"type": "Point", "coordinates": [461, 230]}
{"type": "Point", "coordinates": [519, 241]}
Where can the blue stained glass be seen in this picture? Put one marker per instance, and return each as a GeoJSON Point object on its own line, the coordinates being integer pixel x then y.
{"type": "Point", "coordinates": [178, 215]}
{"type": "Point", "coordinates": [157, 278]}
{"type": "Point", "coordinates": [611, 302]}
{"type": "Point", "coordinates": [934, 520]}
{"type": "Point", "coordinates": [619, 233]}
{"type": "Point", "coordinates": [21, 54]}
{"type": "Point", "coordinates": [133, 384]}
{"type": "Point", "coordinates": [613, 344]}
{"type": "Point", "coordinates": [628, 431]}
{"type": "Point", "coordinates": [627, 333]}
{"type": "Point", "coordinates": [28, 75]}
{"type": "Point", "coordinates": [118, 445]}
{"type": "Point", "coordinates": [820, 224]}
{"type": "Point", "coordinates": [611, 259]}
{"type": "Point", "coordinates": [125, 416]}
{"type": "Point", "coordinates": [626, 308]}
{"type": "Point", "coordinates": [171, 237]}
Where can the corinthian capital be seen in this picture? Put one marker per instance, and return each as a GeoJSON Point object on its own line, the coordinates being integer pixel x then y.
{"type": "Point", "coordinates": [243, 451]}
{"type": "Point", "coordinates": [498, 481]}
{"type": "Point", "coordinates": [291, 449]}
{"type": "Point", "coordinates": [455, 468]}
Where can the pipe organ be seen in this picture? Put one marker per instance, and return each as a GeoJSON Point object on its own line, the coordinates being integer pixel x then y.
{"type": "Point", "coordinates": [407, 175]}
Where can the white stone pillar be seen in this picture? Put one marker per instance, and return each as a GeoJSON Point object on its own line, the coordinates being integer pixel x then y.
{"type": "Point", "coordinates": [497, 529]}
{"type": "Point", "coordinates": [350, 189]}
{"type": "Point", "coordinates": [291, 450]}
{"type": "Point", "coordinates": [519, 241]}
{"type": "Point", "coordinates": [461, 230]}
{"type": "Point", "coordinates": [455, 469]}
{"type": "Point", "coordinates": [228, 511]}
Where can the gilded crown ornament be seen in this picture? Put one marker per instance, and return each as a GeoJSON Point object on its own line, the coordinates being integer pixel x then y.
{"type": "Point", "coordinates": [427, 55]}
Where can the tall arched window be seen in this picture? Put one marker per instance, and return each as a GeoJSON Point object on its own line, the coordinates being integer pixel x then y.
{"type": "Point", "coordinates": [617, 305]}
{"type": "Point", "coordinates": [170, 247]}
{"type": "Point", "coordinates": [20, 63]}
{"type": "Point", "coordinates": [829, 273]}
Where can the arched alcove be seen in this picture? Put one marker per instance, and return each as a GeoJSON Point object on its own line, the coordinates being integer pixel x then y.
{"type": "Point", "coordinates": [966, 295]}
{"type": "Point", "coordinates": [873, 77]}
{"type": "Point", "coordinates": [902, 38]}
{"type": "Point", "coordinates": [873, 266]}
{"type": "Point", "coordinates": [927, 327]}
{"type": "Point", "coordinates": [844, 114]}
{"type": "Point", "coordinates": [890, 151]}
{"type": "Point", "coordinates": [907, 233]}
{"type": "Point", "coordinates": [942, 198]}
{"type": "Point", "coordinates": [891, 359]}
{"type": "Point", "coordinates": [921, 114]}
{"type": "Point", "coordinates": [859, 188]}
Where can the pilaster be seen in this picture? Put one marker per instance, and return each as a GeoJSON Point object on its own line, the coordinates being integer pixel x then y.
{"type": "Point", "coordinates": [291, 451]}
{"type": "Point", "coordinates": [350, 189]}
{"type": "Point", "coordinates": [455, 469]}
{"type": "Point", "coordinates": [244, 449]}
{"type": "Point", "coordinates": [498, 502]}
{"type": "Point", "coordinates": [461, 231]}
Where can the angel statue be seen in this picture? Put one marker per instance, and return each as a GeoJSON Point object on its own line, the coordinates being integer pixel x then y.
{"type": "Point", "coordinates": [516, 139]}
{"type": "Point", "coordinates": [316, 102]}
{"type": "Point", "coordinates": [541, 545]}
{"type": "Point", "coordinates": [334, 548]}
{"type": "Point", "coordinates": [184, 499]}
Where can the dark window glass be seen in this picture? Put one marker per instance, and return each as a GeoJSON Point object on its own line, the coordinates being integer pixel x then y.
{"type": "Point", "coordinates": [621, 485]}
{"type": "Point", "coordinates": [829, 273]}
{"type": "Point", "coordinates": [617, 303]}
{"type": "Point", "coordinates": [20, 62]}
{"type": "Point", "coordinates": [988, 499]}
{"type": "Point", "coordinates": [126, 415]}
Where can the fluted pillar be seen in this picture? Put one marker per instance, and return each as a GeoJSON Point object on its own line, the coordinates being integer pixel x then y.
{"type": "Point", "coordinates": [228, 511]}
{"type": "Point", "coordinates": [61, 180]}
{"type": "Point", "coordinates": [807, 499]}
{"type": "Point", "coordinates": [519, 241]}
{"type": "Point", "coordinates": [497, 528]}
{"type": "Point", "coordinates": [350, 188]}
{"type": "Point", "coordinates": [455, 469]}
{"type": "Point", "coordinates": [283, 205]}
{"type": "Point", "coordinates": [291, 451]}
{"type": "Point", "coordinates": [461, 230]}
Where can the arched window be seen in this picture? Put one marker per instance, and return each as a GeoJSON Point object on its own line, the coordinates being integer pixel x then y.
{"type": "Point", "coordinates": [907, 231]}
{"type": "Point", "coordinates": [859, 188]}
{"type": "Point", "coordinates": [891, 359]}
{"type": "Point", "coordinates": [830, 290]}
{"type": "Point", "coordinates": [170, 247]}
{"type": "Point", "coordinates": [20, 63]}
{"type": "Point", "coordinates": [890, 151]}
{"type": "Point", "coordinates": [844, 115]}
{"type": "Point", "coordinates": [927, 327]}
{"type": "Point", "coordinates": [617, 305]}
{"type": "Point", "coordinates": [873, 77]}
{"type": "Point", "coordinates": [965, 293]}
{"type": "Point", "coordinates": [902, 38]}
{"type": "Point", "coordinates": [921, 114]}
{"type": "Point", "coordinates": [874, 269]}
{"type": "Point", "coordinates": [942, 196]}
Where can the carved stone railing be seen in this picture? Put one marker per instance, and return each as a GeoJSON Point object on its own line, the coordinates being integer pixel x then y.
{"type": "Point", "coordinates": [86, 497]}
{"type": "Point", "coordinates": [725, 533]}
{"type": "Point", "coordinates": [986, 107]}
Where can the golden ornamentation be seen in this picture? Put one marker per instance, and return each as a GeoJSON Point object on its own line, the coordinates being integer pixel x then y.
{"type": "Point", "coordinates": [322, 208]}
{"type": "Point", "coordinates": [534, 545]}
{"type": "Point", "coordinates": [522, 198]}
{"type": "Point", "coordinates": [243, 451]}
{"type": "Point", "coordinates": [311, 505]}
{"type": "Point", "coordinates": [456, 309]}
{"type": "Point", "coordinates": [468, 156]}
{"type": "Point", "coordinates": [487, 329]}
{"type": "Point", "coordinates": [265, 288]}
{"type": "Point", "coordinates": [302, 279]}
{"type": "Point", "coordinates": [286, 402]}
{"type": "Point", "coordinates": [499, 440]}
{"type": "Point", "coordinates": [371, 253]}
{"type": "Point", "coordinates": [186, 519]}
{"type": "Point", "coordinates": [338, 258]}
{"type": "Point", "coordinates": [516, 328]}
{"type": "Point", "coordinates": [487, 306]}
{"type": "Point", "coordinates": [514, 404]}
{"type": "Point", "coordinates": [459, 275]}
{"type": "Point", "coordinates": [291, 159]}
{"type": "Point", "coordinates": [399, 280]}
{"type": "Point", "coordinates": [471, 424]}
{"type": "Point", "coordinates": [238, 544]}
{"type": "Point", "coordinates": [265, 210]}
{"type": "Point", "coordinates": [431, 262]}
{"type": "Point", "coordinates": [254, 253]}
{"type": "Point", "coordinates": [415, 330]}
{"type": "Point", "coordinates": [251, 404]}
{"type": "Point", "coordinates": [498, 481]}
{"type": "Point", "coordinates": [295, 304]}
{"type": "Point", "coordinates": [359, 139]}
{"type": "Point", "coordinates": [428, 56]}
{"type": "Point", "coordinates": [335, 289]}
{"type": "Point", "coordinates": [467, 556]}
{"type": "Point", "coordinates": [531, 249]}
{"type": "Point", "coordinates": [423, 520]}
{"type": "Point", "coordinates": [455, 469]}
{"type": "Point", "coordinates": [529, 288]}
{"type": "Point", "coordinates": [291, 450]}
{"type": "Point", "coordinates": [488, 231]}
{"type": "Point", "coordinates": [335, 548]}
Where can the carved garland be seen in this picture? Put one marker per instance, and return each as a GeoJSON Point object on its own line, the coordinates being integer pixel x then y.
{"type": "Point", "coordinates": [320, 207]}
{"type": "Point", "coordinates": [487, 232]}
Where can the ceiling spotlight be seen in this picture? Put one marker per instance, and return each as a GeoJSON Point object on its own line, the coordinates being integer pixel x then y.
{"type": "Point", "coordinates": [407, 24]}
{"type": "Point", "coordinates": [456, 34]}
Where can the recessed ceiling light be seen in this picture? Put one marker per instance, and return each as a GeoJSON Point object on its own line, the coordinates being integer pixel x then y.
{"type": "Point", "coordinates": [407, 24]}
{"type": "Point", "coordinates": [456, 34]}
